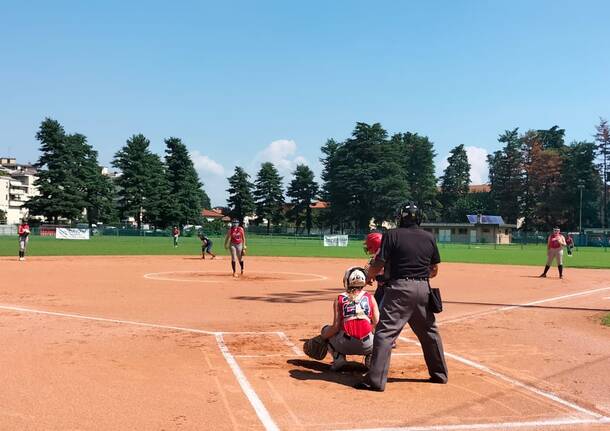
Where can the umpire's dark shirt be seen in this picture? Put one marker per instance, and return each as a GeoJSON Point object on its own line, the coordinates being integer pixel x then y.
{"type": "Point", "coordinates": [408, 252]}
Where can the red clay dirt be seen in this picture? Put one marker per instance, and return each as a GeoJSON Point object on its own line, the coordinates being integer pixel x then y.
{"type": "Point", "coordinates": [546, 364]}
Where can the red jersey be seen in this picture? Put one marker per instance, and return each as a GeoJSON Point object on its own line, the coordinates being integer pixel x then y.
{"type": "Point", "coordinates": [236, 234]}
{"type": "Point", "coordinates": [555, 241]}
{"type": "Point", "coordinates": [356, 314]}
{"type": "Point", "coordinates": [176, 231]}
{"type": "Point", "coordinates": [24, 229]}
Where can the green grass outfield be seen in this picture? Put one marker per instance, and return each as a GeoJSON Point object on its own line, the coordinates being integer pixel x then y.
{"type": "Point", "coordinates": [584, 257]}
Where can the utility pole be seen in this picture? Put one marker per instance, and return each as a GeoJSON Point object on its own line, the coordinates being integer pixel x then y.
{"type": "Point", "coordinates": [581, 186]}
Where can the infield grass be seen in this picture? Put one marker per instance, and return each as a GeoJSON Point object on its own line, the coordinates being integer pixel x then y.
{"type": "Point", "coordinates": [584, 257]}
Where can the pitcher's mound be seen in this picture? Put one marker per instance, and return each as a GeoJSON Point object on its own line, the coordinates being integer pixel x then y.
{"type": "Point", "coordinates": [223, 277]}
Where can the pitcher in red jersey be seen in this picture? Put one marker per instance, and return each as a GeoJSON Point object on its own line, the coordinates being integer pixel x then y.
{"type": "Point", "coordinates": [235, 241]}
{"type": "Point", "coordinates": [554, 248]}
{"type": "Point", "coordinates": [355, 314]}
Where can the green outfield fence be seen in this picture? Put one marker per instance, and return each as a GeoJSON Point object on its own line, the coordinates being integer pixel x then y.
{"type": "Point", "coordinates": [282, 235]}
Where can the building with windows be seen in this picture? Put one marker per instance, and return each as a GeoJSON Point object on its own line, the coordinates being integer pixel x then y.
{"type": "Point", "coordinates": [480, 229]}
{"type": "Point", "coordinates": [16, 188]}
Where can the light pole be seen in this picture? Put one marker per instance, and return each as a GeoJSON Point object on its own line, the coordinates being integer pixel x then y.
{"type": "Point", "coordinates": [581, 186]}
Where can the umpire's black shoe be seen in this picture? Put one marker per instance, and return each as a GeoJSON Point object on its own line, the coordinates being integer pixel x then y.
{"type": "Point", "coordinates": [364, 386]}
{"type": "Point", "coordinates": [437, 380]}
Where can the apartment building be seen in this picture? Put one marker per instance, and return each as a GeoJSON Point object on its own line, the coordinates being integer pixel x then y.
{"type": "Point", "coordinates": [16, 188]}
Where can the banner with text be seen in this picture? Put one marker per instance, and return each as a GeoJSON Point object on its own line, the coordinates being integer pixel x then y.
{"type": "Point", "coordinates": [68, 233]}
{"type": "Point", "coordinates": [335, 240]}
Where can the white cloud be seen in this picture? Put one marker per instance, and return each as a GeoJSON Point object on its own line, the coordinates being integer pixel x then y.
{"type": "Point", "coordinates": [477, 157]}
{"type": "Point", "coordinates": [283, 154]}
{"type": "Point", "coordinates": [205, 166]}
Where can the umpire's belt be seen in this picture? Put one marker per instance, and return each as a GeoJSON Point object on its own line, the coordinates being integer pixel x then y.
{"type": "Point", "coordinates": [364, 339]}
{"type": "Point", "coordinates": [414, 278]}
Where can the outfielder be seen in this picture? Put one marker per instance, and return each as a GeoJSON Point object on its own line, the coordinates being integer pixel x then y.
{"type": "Point", "coordinates": [24, 237]}
{"type": "Point", "coordinates": [235, 241]}
{"type": "Point", "coordinates": [176, 235]}
{"type": "Point", "coordinates": [554, 250]}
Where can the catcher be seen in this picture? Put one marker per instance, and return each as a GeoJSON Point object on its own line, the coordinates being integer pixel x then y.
{"type": "Point", "coordinates": [355, 314]}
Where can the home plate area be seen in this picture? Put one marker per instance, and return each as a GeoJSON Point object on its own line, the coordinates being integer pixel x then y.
{"type": "Point", "coordinates": [292, 392]}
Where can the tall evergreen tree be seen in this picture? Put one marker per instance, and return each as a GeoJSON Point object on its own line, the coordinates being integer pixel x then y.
{"type": "Point", "coordinates": [602, 137]}
{"type": "Point", "coordinates": [59, 180]}
{"type": "Point", "coordinates": [187, 196]}
{"type": "Point", "coordinates": [303, 191]}
{"type": "Point", "coordinates": [142, 184]}
{"type": "Point", "coordinates": [331, 191]}
{"type": "Point", "coordinates": [455, 182]}
{"type": "Point", "coordinates": [579, 167]}
{"type": "Point", "coordinates": [269, 195]}
{"type": "Point", "coordinates": [98, 190]}
{"type": "Point", "coordinates": [506, 177]}
{"type": "Point", "coordinates": [240, 201]}
{"type": "Point", "coordinates": [418, 158]}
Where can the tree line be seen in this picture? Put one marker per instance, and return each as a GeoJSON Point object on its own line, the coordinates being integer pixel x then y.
{"type": "Point", "coordinates": [161, 192]}
{"type": "Point", "coordinates": [535, 178]}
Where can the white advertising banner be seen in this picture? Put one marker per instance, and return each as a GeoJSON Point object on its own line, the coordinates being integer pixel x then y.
{"type": "Point", "coordinates": [335, 240]}
{"type": "Point", "coordinates": [68, 233]}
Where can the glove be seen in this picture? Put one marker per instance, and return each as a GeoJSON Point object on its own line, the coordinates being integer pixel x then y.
{"type": "Point", "coordinates": [243, 251]}
{"type": "Point", "coordinates": [316, 348]}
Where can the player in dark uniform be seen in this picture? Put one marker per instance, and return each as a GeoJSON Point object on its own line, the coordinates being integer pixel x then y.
{"type": "Point", "coordinates": [206, 245]}
{"type": "Point", "coordinates": [413, 257]}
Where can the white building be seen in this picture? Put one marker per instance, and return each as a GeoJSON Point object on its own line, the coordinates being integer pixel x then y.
{"type": "Point", "coordinates": [16, 188]}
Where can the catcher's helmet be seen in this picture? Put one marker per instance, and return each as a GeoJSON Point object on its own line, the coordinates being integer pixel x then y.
{"type": "Point", "coordinates": [372, 242]}
{"type": "Point", "coordinates": [409, 214]}
{"type": "Point", "coordinates": [354, 277]}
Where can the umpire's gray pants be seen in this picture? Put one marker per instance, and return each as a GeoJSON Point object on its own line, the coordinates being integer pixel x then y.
{"type": "Point", "coordinates": [406, 301]}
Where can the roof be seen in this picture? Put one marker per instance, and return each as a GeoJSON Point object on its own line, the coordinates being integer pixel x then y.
{"type": "Point", "coordinates": [319, 205]}
{"type": "Point", "coordinates": [485, 219]}
{"type": "Point", "coordinates": [479, 188]}
{"type": "Point", "coordinates": [212, 214]}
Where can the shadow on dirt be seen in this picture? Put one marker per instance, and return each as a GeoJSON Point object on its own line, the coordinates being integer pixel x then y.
{"type": "Point", "coordinates": [298, 297]}
{"type": "Point", "coordinates": [549, 307]}
{"type": "Point", "coordinates": [349, 375]}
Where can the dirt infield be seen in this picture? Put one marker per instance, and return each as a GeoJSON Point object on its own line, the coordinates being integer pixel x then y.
{"type": "Point", "coordinates": [174, 343]}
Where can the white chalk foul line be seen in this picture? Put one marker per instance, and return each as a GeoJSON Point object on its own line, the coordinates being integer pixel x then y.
{"type": "Point", "coordinates": [255, 401]}
{"type": "Point", "coordinates": [527, 304]}
{"type": "Point", "coordinates": [290, 344]}
{"type": "Point", "coordinates": [162, 276]}
{"type": "Point", "coordinates": [130, 322]}
{"type": "Point", "coordinates": [545, 394]}
{"type": "Point", "coordinates": [497, 425]}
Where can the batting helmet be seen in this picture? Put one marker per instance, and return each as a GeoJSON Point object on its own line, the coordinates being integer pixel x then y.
{"type": "Point", "coordinates": [372, 243]}
{"type": "Point", "coordinates": [409, 214]}
{"type": "Point", "coordinates": [354, 277]}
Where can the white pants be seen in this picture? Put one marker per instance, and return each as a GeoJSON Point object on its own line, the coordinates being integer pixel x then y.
{"type": "Point", "coordinates": [23, 243]}
{"type": "Point", "coordinates": [236, 251]}
{"type": "Point", "coordinates": [554, 253]}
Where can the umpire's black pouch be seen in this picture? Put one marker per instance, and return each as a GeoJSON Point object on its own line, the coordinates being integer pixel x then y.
{"type": "Point", "coordinates": [435, 303]}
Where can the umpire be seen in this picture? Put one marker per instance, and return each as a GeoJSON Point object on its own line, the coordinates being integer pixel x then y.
{"type": "Point", "coordinates": [412, 256]}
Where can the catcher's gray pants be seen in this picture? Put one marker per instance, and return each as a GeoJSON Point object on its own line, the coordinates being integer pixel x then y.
{"type": "Point", "coordinates": [23, 243]}
{"type": "Point", "coordinates": [343, 343]}
{"type": "Point", "coordinates": [406, 301]}
{"type": "Point", "coordinates": [236, 251]}
{"type": "Point", "coordinates": [554, 253]}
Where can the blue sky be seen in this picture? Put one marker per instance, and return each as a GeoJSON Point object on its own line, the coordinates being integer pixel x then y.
{"type": "Point", "coordinates": [245, 82]}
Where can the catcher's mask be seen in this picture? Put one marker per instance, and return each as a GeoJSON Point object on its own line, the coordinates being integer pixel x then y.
{"type": "Point", "coordinates": [409, 215]}
{"type": "Point", "coordinates": [354, 278]}
{"type": "Point", "coordinates": [372, 243]}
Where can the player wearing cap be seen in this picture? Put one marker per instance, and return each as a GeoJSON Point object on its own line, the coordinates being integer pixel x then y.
{"type": "Point", "coordinates": [235, 241]}
{"type": "Point", "coordinates": [24, 238]}
{"type": "Point", "coordinates": [355, 314]}
{"type": "Point", "coordinates": [413, 257]}
{"type": "Point", "coordinates": [175, 235]}
{"type": "Point", "coordinates": [554, 250]}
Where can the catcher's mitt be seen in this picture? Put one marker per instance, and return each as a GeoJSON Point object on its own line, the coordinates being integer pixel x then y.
{"type": "Point", "coordinates": [316, 348]}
